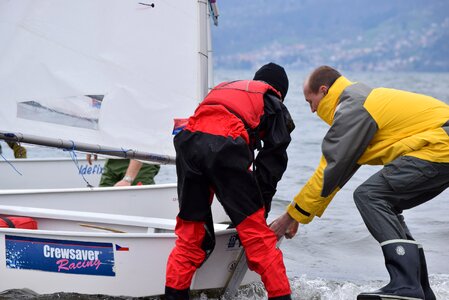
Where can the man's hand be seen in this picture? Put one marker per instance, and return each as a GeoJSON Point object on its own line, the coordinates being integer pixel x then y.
{"type": "Point", "coordinates": [123, 183]}
{"type": "Point", "coordinates": [89, 158]}
{"type": "Point", "coordinates": [285, 225]}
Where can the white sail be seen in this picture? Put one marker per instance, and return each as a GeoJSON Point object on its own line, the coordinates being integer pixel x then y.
{"type": "Point", "coordinates": [102, 72]}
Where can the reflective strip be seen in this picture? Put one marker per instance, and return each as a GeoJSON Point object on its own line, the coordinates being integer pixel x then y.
{"type": "Point", "coordinates": [398, 241]}
{"type": "Point", "coordinates": [302, 210]}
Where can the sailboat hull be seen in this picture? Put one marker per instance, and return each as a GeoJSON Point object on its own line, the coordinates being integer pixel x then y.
{"type": "Point", "coordinates": [63, 255]}
{"type": "Point", "coordinates": [41, 173]}
{"type": "Point", "coordinates": [159, 200]}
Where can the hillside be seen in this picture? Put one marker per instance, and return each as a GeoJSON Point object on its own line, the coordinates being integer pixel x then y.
{"type": "Point", "coordinates": [407, 35]}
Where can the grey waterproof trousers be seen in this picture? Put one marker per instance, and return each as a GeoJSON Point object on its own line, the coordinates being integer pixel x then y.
{"type": "Point", "coordinates": [404, 183]}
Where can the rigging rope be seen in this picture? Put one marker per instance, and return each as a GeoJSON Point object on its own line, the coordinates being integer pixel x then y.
{"type": "Point", "coordinates": [74, 157]}
{"type": "Point", "coordinates": [14, 168]}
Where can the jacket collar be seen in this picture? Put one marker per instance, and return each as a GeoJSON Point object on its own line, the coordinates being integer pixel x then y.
{"type": "Point", "coordinates": [327, 106]}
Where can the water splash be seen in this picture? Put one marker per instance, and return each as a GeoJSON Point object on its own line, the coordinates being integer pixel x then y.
{"type": "Point", "coordinates": [303, 288]}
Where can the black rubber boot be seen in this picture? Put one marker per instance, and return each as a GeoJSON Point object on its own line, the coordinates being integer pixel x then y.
{"type": "Point", "coordinates": [174, 294]}
{"type": "Point", "coordinates": [403, 264]}
{"type": "Point", "coordinates": [428, 293]}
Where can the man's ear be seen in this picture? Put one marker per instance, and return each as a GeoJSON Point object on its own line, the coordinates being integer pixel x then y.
{"type": "Point", "coordinates": [323, 89]}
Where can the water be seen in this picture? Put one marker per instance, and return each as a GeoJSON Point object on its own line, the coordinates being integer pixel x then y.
{"type": "Point", "coordinates": [334, 257]}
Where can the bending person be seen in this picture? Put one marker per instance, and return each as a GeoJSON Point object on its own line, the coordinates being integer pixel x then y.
{"type": "Point", "coordinates": [214, 154]}
{"type": "Point", "coordinates": [405, 132]}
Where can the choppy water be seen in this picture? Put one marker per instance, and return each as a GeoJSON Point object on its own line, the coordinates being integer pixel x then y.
{"type": "Point", "coordinates": [334, 257]}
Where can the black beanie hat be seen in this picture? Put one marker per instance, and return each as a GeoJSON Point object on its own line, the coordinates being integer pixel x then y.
{"type": "Point", "coordinates": [275, 76]}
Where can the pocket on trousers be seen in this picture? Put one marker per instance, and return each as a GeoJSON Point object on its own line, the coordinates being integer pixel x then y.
{"type": "Point", "coordinates": [408, 173]}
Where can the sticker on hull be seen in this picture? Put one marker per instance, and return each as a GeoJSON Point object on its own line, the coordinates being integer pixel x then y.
{"type": "Point", "coordinates": [59, 256]}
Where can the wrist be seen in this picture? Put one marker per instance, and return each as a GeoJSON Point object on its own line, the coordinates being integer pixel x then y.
{"type": "Point", "coordinates": [128, 179]}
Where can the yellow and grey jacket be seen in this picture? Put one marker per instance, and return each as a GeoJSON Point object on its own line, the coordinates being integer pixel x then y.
{"type": "Point", "coordinates": [370, 126]}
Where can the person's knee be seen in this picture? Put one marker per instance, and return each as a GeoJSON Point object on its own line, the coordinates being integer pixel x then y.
{"type": "Point", "coordinates": [360, 196]}
{"type": "Point", "coordinates": [368, 200]}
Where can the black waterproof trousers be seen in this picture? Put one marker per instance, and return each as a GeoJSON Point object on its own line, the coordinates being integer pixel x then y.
{"type": "Point", "coordinates": [404, 183]}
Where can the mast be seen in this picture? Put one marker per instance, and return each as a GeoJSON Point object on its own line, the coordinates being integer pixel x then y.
{"type": "Point", "coordinates": [203, 49]}
{"type": "Point", "coordinates": [213, 14]}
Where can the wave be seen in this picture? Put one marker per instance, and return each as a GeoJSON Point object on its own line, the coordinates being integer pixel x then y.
{"type": "Point", "coordinates": [303, 288]}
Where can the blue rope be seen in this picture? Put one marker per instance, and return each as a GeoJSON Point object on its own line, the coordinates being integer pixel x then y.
{"type": "Point", "coordinates": [4, 158]}
{"type": "Point", "coordinates": [125, 152]}
{"type": "Point", "coordinates": [75, 161]}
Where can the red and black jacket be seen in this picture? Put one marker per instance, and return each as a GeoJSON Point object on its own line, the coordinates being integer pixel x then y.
{"type": "Point", "coordinates": [253, 111]}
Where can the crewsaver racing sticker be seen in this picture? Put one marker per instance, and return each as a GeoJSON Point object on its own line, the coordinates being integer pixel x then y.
{"type": "Point", "coordinates": [59, 256]}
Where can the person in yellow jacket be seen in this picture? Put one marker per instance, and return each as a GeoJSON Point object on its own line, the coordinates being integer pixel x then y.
{"type": "Point", "coordinates": [408, 134]}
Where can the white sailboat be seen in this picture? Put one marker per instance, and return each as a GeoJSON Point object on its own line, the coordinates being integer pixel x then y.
{"type": "Point", "coordinates": [62, 188]}
{"type": "Point", "coordinates": [97, 85]}
{"type": "Point", "coordinates": [94, 253]}
{"type": "Point", "coordinates": [137, 66]}
{"type": "Point", "coordinates": [60, 172]}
